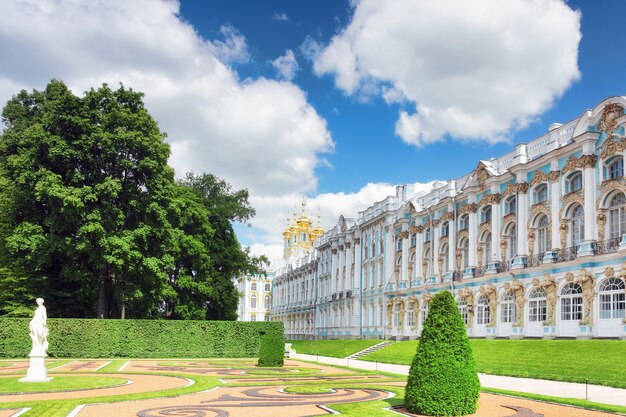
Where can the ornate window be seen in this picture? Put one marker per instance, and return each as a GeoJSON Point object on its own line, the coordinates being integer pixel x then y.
{"type": "Point", "coordinates": [253, 286]}
{"type": "Point", "coordinates": [537, 305]}
{"type": "Point", "coordinates": [543, 235]}
{"type": "Point", "coordinates": [510, 205]}
{"type": "Point", "coordinates": [410, 318]}
{"type": "Point", "coordinates": [507, 307]}
{"type": "Point", "coordinates": [464, 222]}
{"type": "Point", "coordinates": [572, 302]}
{"type": "Point", "coordinates": [617, 216]}
{"type": "Point", "coordinates": [482, 310]}
{"type": "Point", "coordinates": [412, 262]}
{"type": "Point", "coordinates": [427, 235]}
{"type": "Point", "coordinates": [267, 301]}
{"type": "Point", "coordinates": [396, 315]}
{"type": "Point", "coordinates": [510, 234]}
{"type": "Point", "coordinates": [267, 287]}
{"type": "Point", "coordinates": [577, 224]}
{"type": "Point", "coordinates": [399, 243]}
{"type": "Point", "coordinates": [487, 247]}
{"type": "Point", "coordinates": [574, 183]}
{"type": "Point", "coordinates": [424, 312]}
{"type": "Point", "coordinates": [612, 299]}
{"type": "Point", "coordinates": [462, 306]}
{"type": "Point", "coordinates": [541, 193]}
{"type": "Point", "coordinates": [253, 301]}
{"type": "Point", "coordinates": [413, 239]}
{"type": "Point", "coordinates": [445, 229]}
{"type": "Point", "coordinates": [444, 254]}
{"type": "Point", "coordinates": [373, 249]}
{"type": "Point", "coordinates": [427, 271]}
{"type": "Point", "coordinates": [485, 215]}
{"type": "Point", "coordinates": [616, 168]}
{"type": "Point", "coordinates": [464, 247]}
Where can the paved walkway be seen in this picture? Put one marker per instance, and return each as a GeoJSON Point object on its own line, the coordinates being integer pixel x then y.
{"type": "Point", "coordinates": [595, 393]}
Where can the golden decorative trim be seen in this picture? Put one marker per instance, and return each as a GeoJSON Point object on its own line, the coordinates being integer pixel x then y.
{"type": "Point", "coordinates": [553, 176]}
{"type": "Point", "coordinates": [585, 161]}
{"type": "Point", "coordinates": [600, 223]}
{"type": "Point", "coordinates": [519, 291]}
{"type": "Point", "coordinates": [403, 235]}
{"type": "Point", "coordinates": [468, 208]}
{"type": "Point", "coordinates": [608, 121]}
{"type": "Point", "coordinates": [490, 199]}
{"type": "Point", "coordinates": [608, 186]}
{"type": "Point", "coordinates": [586, 281]}
{"type": "Point", "coordinates": [538, 178]}
{"type": "Point", "coordinates": [448, 215]}
{"type": "Point", "coordinates": [492, 294]}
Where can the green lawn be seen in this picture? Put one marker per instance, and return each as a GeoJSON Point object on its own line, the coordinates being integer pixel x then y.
{"type": "Point", "coordinates": [600, 361]}
{"type": "Point", "coordinates": [334, 348]}
{"type": "Point", "coordinates": [11, 385]}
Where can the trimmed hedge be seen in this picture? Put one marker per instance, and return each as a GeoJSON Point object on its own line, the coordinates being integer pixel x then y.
{"type": "Point", "coordinates": [272, 352]}
{"type": "Point", "coordinates": [93, 338]}
{"type": "Point", "coordinates": [442, 379]}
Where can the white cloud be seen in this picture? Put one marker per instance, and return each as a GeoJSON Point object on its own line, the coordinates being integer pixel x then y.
{"type": "Point", "coordinates": [472, 70]}
{"type": "Point", "coordinates": [286, 65]}
{"type": "Point", "coordinates": [280, 17]}
{"type": "Point", "coordinates": [259, 134]}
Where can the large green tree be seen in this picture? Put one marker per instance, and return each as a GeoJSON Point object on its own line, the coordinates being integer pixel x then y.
{"type": "Point", "coordinates": [92, 219]}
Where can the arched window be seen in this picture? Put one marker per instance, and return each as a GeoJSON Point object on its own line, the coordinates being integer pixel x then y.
{"type": "Point", "coordinates": [487, 247]}
{"type": "Point", "coordinates": [577, 224]}
{"type": "Point", "coordinates": [424, 312]}
{"type": "Point", "coordinates": [427, 235]}
{"type": "Point", "coordinates": [482, 310]}
{"type": "Point", "coordinates": [617, 216]}
{"type": "Point", "coordinates": [268, 288]}
{"type": "Point", "coordinates": [253, 301]}
{"type": "Point", "coordinates": [445, 229]}
{"type": "Point", "coordinates": [543, 235]}
{"type": "Point", "coordinates": [574, 182]}
{"type": "Point", "coordinates": [507, 306]}
{"type": "Point", "coordinates": [616, 168]}
{"type": "Point", "coordinates": [510, 205]}
{"type": "Point", "coordinates": [537, 306]}
{"type": "Point", "coordinates": [396, 315]}
{"type": "Point", "coordinates": [464, 222]}
{"type": "Point", "coordinates": [253, 286]}
{"type": "Point", "coordinates": [427, 271]}
{"type": "Point", "coordinates": [485, 215]}
{"type": "Point", "coordinates": [267, 301]}
{"type": "Point", "coordinates": [571, 302]}
{"type": "Point", "coordinates": [413, 239]}
{"type": "Point", "coordinates": [541, 193]}
{"type": "Point", "coordinates": [444, 254]}
{"type": "Point", "coordinates": [511, 236]}
{"type": "Point", "coordinates": [464, 247]}
{"type": "Point", "coordinates": [374, 249]}
{"type": "Point", "coordinates": [410, 318]}
{"type": "Point", "coordinates": [612, 299]}
{"type": "Point", "coordinates": [462, 306]}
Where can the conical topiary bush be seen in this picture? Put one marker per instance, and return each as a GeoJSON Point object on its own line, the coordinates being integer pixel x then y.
{"type": "Point", "coordinates": [443, 379]}
{"type": "Point", "coordinates": [272, 350]}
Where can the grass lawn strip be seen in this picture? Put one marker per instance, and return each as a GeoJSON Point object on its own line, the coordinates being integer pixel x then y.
{"type": "Point", "coordinates": [307, 389]}
{"type": "Point", "coordinates": [11, 385]}
{"type": "Point", "coordinates": [601, 362]}
{"type": "Point", "coordinates": [331, 348]}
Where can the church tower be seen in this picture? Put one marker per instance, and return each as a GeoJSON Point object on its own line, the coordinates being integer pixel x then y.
{"type": "Point", "coordinates": [300, 236]}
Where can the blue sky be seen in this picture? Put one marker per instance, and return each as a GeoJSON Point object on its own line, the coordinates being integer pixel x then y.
{"type": "Point", "coordinates": [371, 93]}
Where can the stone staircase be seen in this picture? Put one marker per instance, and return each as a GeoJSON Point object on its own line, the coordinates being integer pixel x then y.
{"type": "Point", "coordinates": [369, 350]}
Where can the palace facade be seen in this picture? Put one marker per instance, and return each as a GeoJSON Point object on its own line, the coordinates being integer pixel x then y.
{"type": "Point", "coordinates": [532, 244]}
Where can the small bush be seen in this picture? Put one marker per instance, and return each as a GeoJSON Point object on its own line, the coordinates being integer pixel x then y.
{"type": "Point", "coordinates": [272, 351]}
{"type": "Point", "coordinates": [443, 379]}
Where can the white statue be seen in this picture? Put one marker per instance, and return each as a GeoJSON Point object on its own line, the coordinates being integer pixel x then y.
{"type": "Point", "coordinates": [39, 333]}
{"type": "Point", "coordinates": [39, 330]}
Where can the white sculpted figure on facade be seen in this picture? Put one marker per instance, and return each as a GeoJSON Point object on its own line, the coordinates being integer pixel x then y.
{"type": "Point", "coordinates": [39, 330]}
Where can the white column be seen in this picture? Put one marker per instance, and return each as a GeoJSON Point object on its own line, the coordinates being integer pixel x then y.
{"type": "Point", "coordinates": [451, 241]}
{"type": "Point", "coordinates": [496, 222]}
{"type": "Point", "coordinates": [419, 250]}
{"type": "Point", "coordinates": [472, 233]}
{"type": "Point", "coordinates": [555, 198]}
{"type": "Point", "coordinates": [357, 265]}
{"type": "Point", "coordinates": [404, 267]}
{"type": "Point", "coordinates": [434, 230]}
{"type": "Point", "coordinates": [333, 269]}
{"type": "Point", "coordinates": [342, 262]}
{"type": "Point", "coordinates": [522, 221]}
{"type": "Point", "coordinates": [590, 207]}
{"type": "Point", "coordinates": [390, 250]}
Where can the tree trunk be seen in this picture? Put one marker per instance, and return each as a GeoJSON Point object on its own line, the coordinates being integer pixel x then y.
{"type": "Point", "coordinates": [102, 302]}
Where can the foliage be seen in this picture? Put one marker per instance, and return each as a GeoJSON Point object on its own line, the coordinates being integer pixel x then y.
{"type": "Point", "coordinates": [272, 351]}
{"type": "Point", "coordinates": [92, 220]}
{"type": "Point", "coordinates": [90, 338]}
{"type": "Point", "coordinates": [443, 380]}
{"type": "Point", "coordinates": [332, 348]}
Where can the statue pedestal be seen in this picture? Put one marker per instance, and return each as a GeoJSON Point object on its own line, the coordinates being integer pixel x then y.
{"type": "Point", "coordinates": [37, 370]}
